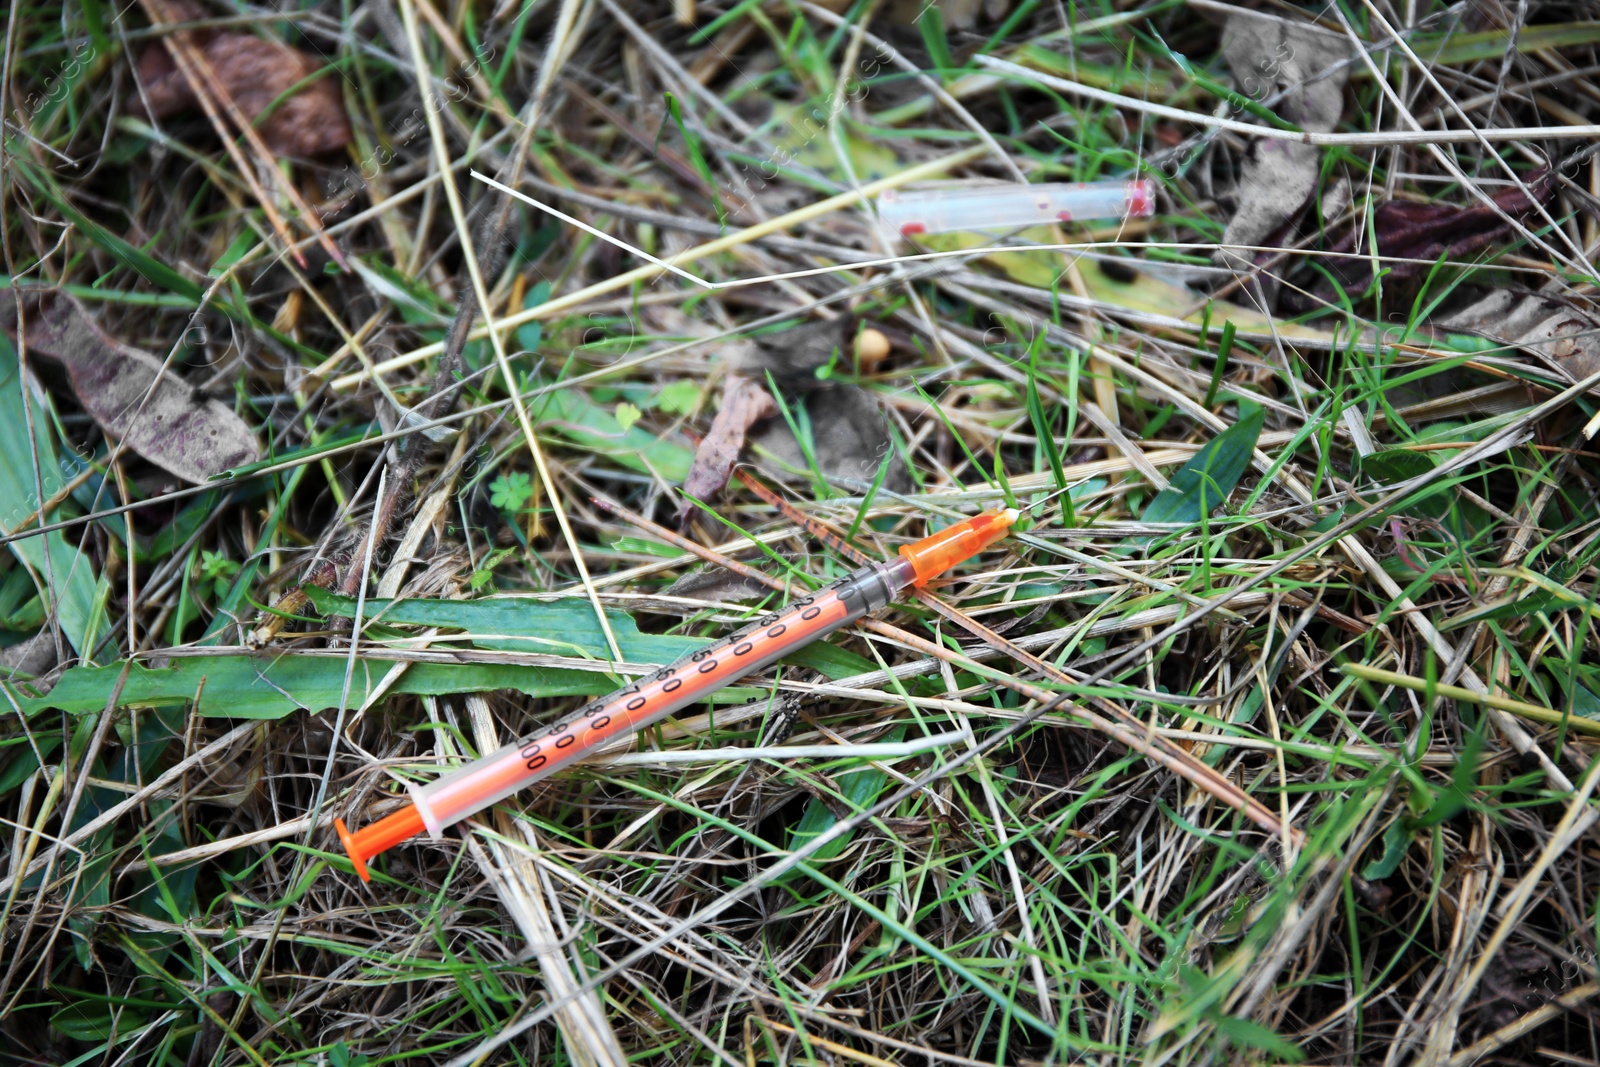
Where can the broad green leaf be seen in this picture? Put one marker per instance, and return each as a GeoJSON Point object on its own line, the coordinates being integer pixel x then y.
{"type": "Point", "coordinates": [78, 595]}
{"type": "Point", "coordinates": [831, 660]}
{"type": "Point", "coordinates": [1391, 466]}
{"type": "Point", "coordinates": [559, 627]}
{"type": "Point", "coordinates": [24, 761]}
{"type": "Point", "coordinates": [89, 895]}
{"type": "Point", "coordinates": [21, 608]}
{"type": "Point", "coordinates": [1584, 703]}
{"type": "Point", "coordinates": [1536, 602]}
{"type": "Point", "coordinates": [88, 1021]}
{"type": "Point", "coordinates": [341, 1056]}
{"type": "Point", "coordinates": [236, 251]}
{"type": "Point", "coordinates": [860, 789]}
{"type": "Point", "coordinates": [529, 334]}
{"type": "Point", "coordinates": [519, 624]}
{"type": "Point", "coordinates": [1396, 840]}
{"type": "Point", "coordinates": [679, 398]}
{"type": "Point", "coordinates": [416, 302]}
{"type": "Point", "coordinates": [165, 540]}
{"type": "Point", "coordinates": [1203, 483]}
{"type": "Point", "coordinates": [1255, 1036]}
{"type": "Point", "coordinates": [271, 686]}
{"type": "Point", "coordinates": [570, 413]}
{"type": "Point", "coordinates": [626, 543]}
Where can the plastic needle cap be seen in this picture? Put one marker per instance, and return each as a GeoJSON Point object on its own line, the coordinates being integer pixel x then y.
{"type": "Point", "coordinates": [932, 556]}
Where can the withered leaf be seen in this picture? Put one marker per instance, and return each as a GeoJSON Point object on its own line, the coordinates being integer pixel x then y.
{"type": "Point", "coordinates": [955, 14]}
{"type": "Point", "coordinates": [744, 403]}
{"type": "Point", "coordinates": [848, 436]}
{"type": "Point", "coordinates": [1559, 331]}
{"type": "Point", "coordinates": [159, 416]}
{"type": "Point", "coordinates": [256, 71]}
{"type": "Point", "coordinates": [1268, 56]}
{"type": "Point", "coordinates": [793, 356]}
{"type": "Point", "coordinates": [30, 658]}
{"type": "Point", "coordinates": [1516, 979]}
{"type": "Point", "coordinates": [715, 583]}
{"type": "Point", "coordinates": [1416, 235]}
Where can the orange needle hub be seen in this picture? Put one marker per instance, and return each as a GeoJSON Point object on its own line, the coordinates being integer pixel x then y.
{"type": "Point", "coordinates": [932, 556]}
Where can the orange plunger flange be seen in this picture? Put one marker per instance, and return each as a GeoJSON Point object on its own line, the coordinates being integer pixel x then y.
{"type": "Point", "coordinates": [381, 835]}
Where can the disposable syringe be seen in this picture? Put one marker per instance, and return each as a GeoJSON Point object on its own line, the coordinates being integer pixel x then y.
{"type": "Point", "coordinates": [1012, 207]}
{"type": "Point", "coordinates": [478, 784]}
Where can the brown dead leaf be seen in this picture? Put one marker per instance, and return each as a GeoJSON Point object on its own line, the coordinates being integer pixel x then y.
{"type": "Point", "coordinates": [1518, 978]}
{"type": "Point", "coordinates": [29, 658]}
{"type": "Point", "coordinates": [1268, 56]}
{"type": "Point", "coordinates": [744, 403]}
{"type": "Point", "coordinates": [1560, 332]}
{"type": "Point", "coordinates": [849, 438]}
{"type": "Point", "coordinates": [793, 356]}
{"type": "Point", "coordinates": [954, 14]}
{"type": "Point", "coordinates": [159, 416]}
{"type": "Point", "coordinates": [713, 583]}
{"type": "Point", "coordinates": [230, 783]}
{"type": "Point", "coordinates": [1412, 236]}
{"type": "Point", "coordinates": [255, 71]}
{"type": "Point", "coordinates": [848, 435]}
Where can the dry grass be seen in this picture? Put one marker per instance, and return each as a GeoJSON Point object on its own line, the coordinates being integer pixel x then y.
{"type": "Point", "coordinates": [1382, 640]}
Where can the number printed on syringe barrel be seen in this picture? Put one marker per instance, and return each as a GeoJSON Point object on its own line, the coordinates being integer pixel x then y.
{"type": "Point", "coordinates": [496, 776]}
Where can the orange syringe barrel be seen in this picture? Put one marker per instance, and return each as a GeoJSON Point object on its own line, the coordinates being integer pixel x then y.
{"type": "Point", "coordinates": [478, 784]}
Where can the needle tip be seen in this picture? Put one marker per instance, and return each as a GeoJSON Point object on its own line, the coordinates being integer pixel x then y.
{"type": "Point", "coordinates": [1046, 499]}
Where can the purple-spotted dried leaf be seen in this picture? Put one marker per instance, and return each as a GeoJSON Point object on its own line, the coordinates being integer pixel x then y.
{"type": "Point", "coordinates": [158, 415]}
{"type": "Point", "coordinates": [1411, 237]}
{"type": "Point", "coordinates": [744, 403]}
